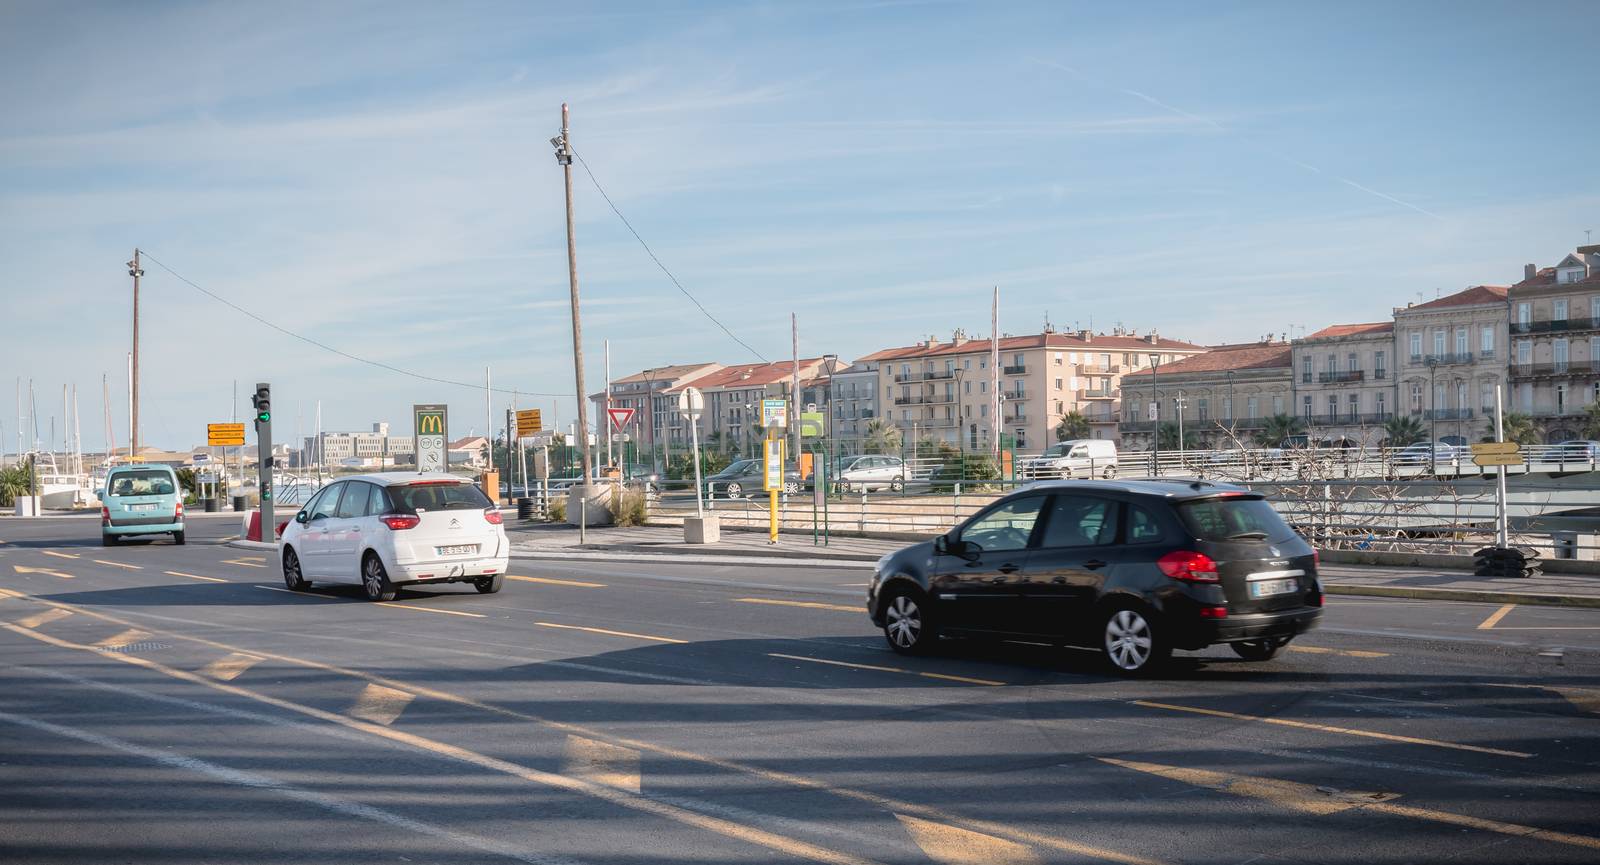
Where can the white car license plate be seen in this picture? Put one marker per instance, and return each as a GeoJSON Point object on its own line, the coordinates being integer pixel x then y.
{"type": "Point", "coordinates": [458, 550]}
{"type": "Point", "coordinates": [141, 507]}
{"type": "Point", "coordinates": [1268, 588]}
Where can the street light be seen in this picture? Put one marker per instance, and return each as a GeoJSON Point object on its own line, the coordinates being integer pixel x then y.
{"type": "Point", "coordinates": [1155, 400]}
{"type": "Point", "coordinates": [1231, 408]}
{"type": "Point", "coordinates": [1433, 408]}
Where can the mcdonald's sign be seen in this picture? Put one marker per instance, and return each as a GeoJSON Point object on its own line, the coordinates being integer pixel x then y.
{"type": "Point", "coordinates": [430, 437]}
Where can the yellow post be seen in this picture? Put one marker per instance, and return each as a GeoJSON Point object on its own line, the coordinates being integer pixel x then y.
{"type": "Point", "coordinates": [772, 478]}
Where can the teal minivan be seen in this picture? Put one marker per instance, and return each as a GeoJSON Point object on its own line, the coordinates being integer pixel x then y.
{"type": "Point", "coordinates": [141, 500]}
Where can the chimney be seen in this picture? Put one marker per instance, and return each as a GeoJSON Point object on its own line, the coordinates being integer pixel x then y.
{"type": "Point", "coordinates": [1151, 337]}
{"type": "Point", "coordinates": [1529, 271]}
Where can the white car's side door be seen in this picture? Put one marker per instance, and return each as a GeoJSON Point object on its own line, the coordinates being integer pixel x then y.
{"type": "Point", "coordinates": [314, 532]}
{"type": "Point", "coordinates": [345, 533]}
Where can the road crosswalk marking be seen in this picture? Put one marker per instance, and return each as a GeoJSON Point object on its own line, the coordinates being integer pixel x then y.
{"type": "Point", "coordinates": [44, 618]}
{"type": "Point", "coordinates": [58, 555]}
{"type": "Point", "coordinates": [229, 668]}
{"type": "Point", "coordinates": [131, 635]}
{"type": "Point", "coordinates": [380, 705]}
{"type": "Point", "coordinates": [602, 763]}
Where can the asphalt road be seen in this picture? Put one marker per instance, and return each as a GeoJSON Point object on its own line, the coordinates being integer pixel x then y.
{"type": "Point", "coordinates": [175, 705]}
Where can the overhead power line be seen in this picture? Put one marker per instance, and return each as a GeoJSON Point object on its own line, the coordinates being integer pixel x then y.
{"type": "Point", "coordinates": [328, 348]}
{"type": "Point", "coordinates": [652, 254]}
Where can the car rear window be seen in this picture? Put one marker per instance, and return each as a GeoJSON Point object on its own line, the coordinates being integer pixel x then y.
{"type": "Point", "coordinates": [1227, 519]}
{"type": "Point", "coordinates": [434, 496]}
{"type": "Point", "coordinates": [141, 483]}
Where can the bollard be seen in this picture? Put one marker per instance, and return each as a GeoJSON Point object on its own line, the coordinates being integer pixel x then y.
{"type": "Point", "coordinates": [238, 504]}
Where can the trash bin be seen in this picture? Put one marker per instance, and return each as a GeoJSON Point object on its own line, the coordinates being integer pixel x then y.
{"type": "Point", "coordinates": [210, 505]}
{"type": "Point", "coordinates": [238, 504]}
{"type": "Point", "coordinates": [525, 508]}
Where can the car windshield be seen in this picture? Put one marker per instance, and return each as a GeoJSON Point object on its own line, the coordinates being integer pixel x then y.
{"type": "Point", "coordinates": [1234, 518]}
{"type": "Point", "coordinates": [141, 483]}
{"type": "Point", "coordinates": [435, 496]}
{"type": "Point", "coordinates": [739, 467]}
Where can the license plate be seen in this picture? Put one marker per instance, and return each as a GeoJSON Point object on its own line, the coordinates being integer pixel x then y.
{"type": "Point", "coordinates": [141, 507]}
{"type": "Point", "coordinates": [458, 550]}
{"type": "Point", "coordinates": [1268, 588]}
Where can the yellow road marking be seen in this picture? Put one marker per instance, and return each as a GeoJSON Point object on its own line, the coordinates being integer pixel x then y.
{"type": "Point", "coordinates": [1324, 728]}
{"type": "Point", "coordinates": [254, 558]}
{"type": "Point", "coordinates": [1552, 628]}
{"type": "Point", "coordinates": [555, 582]}
{"type": "Point", "coordinates": [430, 610]}
{"type": "Point", "coordinates": [59, 555]}
{"type": "Point", "coordinates": [242, 562]}
{"type": "Point", "coordinates": [118, 564]}
{"type": "Point", "coordinates": [879, 669]}
{"type": "Point", "coordinates": [609, 633]}
{"type": "Point", "coordinates": [194, 576]}
{"type": "Point", "coordinates": [953, 845]}
{"type": "Point", "coordinates": [775, 776]}
{"type": "Point", "coordinates": [813, 605]}
{"type": "Point", "coordinates": [1349, 653]}
{"type": "Point", "coordinates": [727, 828]}
{"type": "Point", "coordinates": [132, 635]}
{"type": "Point", "coordinates": [229, 668]}
{"type": "Point", "coordinates": [24, 569]}
{"type": "Point", "coordinates": [381, 705]}
{"type": "Point", "coordinates": [1495, 617]}
{"type": "Point", "coordinates": [1309, 799]}
{"type": "Point", "coordinates": [299, 594]}
{"type": "Point", "coordinates": [45, 617]}
{"type": "Point", "coordinates": [602, 763]}
{"type": "Point", "coordinates": [1587, 699]}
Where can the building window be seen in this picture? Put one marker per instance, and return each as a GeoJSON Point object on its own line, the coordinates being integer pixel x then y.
{"type": "Point", "coordinates": [1059, 383]}
{"type": "Point", "coordinates": [1379, 406]}
{"type": "Point", "coordinates": [1438, 341]}
{"type": "Point", "coordinates": [1486, 397]}
{"type": "Point", "coordinates": [1306, 406]}
{"type": "Point", "coordinates": [1416, 345]}
{"type": "Point", "coordinates": [1562, 357]}
{"type": "Point", "coordinates": [1277, 406]}
{"type": "Point", "coordinates": [1594, 308]}
{"type": "Point", "coordinates": [1105, 361]}
{"type": "Point", "coordinates": [1572, 276]}
{"type": "Point", "coordinates": [1594, 352]}
{"type": "Point", "coordinates": [1378, 362]}
{"type": "Point", "coordinates": [1561, 398]}
{"type": "Point", "coordinates": [1462, 349]}
{"type": "Point", "coordinates": [1250, 407]}
{"type": "Point", "coordinates": [1203, 406]}
{"type": "Point", "coordinates": [1438, 397]}
{"type": "Point", "coordinates": [1416, 397]}
{"type": "Point", "coordinates": [1558, 309]}
{"type": "Point", "coordinates": [1524, 313]}
{"type": "Point", "coordinates": [1352, 362]}
{"type": "Point", "coordinates": [1355, 407]}
{"type": "Point", "coordinates": [1333, 407]}
{"type": "Point", "coordinates": [983, 410]}
{"type": "Point", "coordinates": [1305, 369]}
{"type": "Point", "coordinates": [966, 386]}
{"type": "Point", "coordinates": [1524, 352]}
{"type": "Point", "coordinates": [1461, 395]}
{"type": "Point", "coordinates": [1227, 408]}
{"type": "Point", "coordinates": [1486, 341]}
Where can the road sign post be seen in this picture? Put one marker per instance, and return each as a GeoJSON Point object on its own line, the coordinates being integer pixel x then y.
{"type": "Point", "coordinates": [529, 422]}
{"type": "Point", "coordinates": [430, 437]}
{"type": "Point", "coordinates": [229, 435]}
{"type": "Point", "coordinates": [772, 478]}
{"type": "Point", "coordinates": [691, 403]}
{"type": "Point", "coordinates": [261, 400]}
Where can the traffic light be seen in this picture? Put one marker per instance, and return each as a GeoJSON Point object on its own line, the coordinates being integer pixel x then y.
{"type": "Point", "coordinates": [262, 400]}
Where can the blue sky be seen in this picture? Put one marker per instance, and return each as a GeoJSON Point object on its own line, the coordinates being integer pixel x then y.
{"type": "Point", "coordinates": [378, 176]}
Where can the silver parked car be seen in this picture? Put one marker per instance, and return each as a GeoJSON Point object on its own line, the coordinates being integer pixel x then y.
{"type": "Point", "coordinates": [871, 472]}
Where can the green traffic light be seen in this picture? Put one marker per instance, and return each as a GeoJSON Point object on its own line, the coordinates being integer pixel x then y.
{"type": "Point", "coordinates": [263, 417]}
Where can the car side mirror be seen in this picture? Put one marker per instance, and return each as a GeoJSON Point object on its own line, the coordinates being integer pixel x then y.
{"type": "Point", "coordinates": [302, 517]}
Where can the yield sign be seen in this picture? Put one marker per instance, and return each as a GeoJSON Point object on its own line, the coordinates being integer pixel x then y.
{"type": "Point", "coordinates": [620, 417]}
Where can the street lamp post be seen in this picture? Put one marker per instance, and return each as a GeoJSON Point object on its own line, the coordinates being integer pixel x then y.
{"type": "Point", "coordinates": [1433, 406]}
{"type": "Point", "coordinates": [961, 429]}
{"type": "Point", "coordinates": [1231, 409]}
{"type": "Point", "coordinates": [1155, 400]}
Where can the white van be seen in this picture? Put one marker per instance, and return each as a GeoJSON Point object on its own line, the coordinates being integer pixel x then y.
{"type": "Point", "coordinates": [1076, 458]}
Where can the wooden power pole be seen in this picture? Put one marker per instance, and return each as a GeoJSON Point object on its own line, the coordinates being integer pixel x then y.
{"type": "Point", "coordinates": [135, 271]}
{"type": "Point", "coordinates": [563, 145]}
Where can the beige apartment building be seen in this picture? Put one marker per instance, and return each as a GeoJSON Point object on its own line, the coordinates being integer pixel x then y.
{"type": "Point", "coordinates": [1344, 382]}
{"type": "Point", "coordinates": [732, 417]}
{"type": "Point", "coordinates": [944, 391]}
{"type": "Point", "coordinates": [1223, 394]}
{"type": "Point", "coordinates": [1555, 332]}
{"type": "Point", "coordinates": [1450, 356]}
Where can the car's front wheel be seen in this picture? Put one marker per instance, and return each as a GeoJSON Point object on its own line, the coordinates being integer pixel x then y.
{"type": "Point", "coordinates": [734, 490]}
{"type": "Point", "coordinates": [1259, 650]}
{"type": "Point", "coordinates": [375, 580]}
{"type": "Point", "coordinates": [292, 576]}
{"type": "Point", "coordinates": [1133, 642]}
{"type": "Point", "coordinates": [907, 626]}
{"type": "Point", "coordinates": [791, 487]}
{"type": "Point", "coordinates": [1109, 473]}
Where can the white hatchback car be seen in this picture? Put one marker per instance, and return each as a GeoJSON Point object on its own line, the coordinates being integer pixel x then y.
{"type": "Point", "coordinates": [383, 531]}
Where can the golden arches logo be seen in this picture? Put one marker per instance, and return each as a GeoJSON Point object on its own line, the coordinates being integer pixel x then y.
{"type": "Point", "coordinates": [430, 424]}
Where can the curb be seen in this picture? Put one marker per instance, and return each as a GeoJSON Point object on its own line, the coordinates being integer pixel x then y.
{"type": "Point", "coordinates": [251, 545]}
{"type": "Point", "coordinates": [1528, 598]}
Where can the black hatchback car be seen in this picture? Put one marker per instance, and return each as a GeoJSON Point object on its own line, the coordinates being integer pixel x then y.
{"type": "Point", "coordinates": [1133, 568]}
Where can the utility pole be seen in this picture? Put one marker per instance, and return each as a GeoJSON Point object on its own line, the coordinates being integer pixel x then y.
{"type": "Point", "coordinates": [994, 374]}
{"type": "Point", "coordinates": [133, 434]}
{"type": "Point", "coordinates": [488, 426]}
{"type": "Point", "coordinates": [794, 385]}
{"type": "Point", "coordinates": [606, 421]}
{"type": "Point", "coordinates": [563, 145]}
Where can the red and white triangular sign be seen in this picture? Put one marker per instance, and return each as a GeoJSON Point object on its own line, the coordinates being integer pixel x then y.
{"type": "Point", "coordinates": [620, 417]}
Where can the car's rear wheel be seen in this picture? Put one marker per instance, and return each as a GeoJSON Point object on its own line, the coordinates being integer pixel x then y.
{"type": "Point", "coordinates": [292, 577]}
{"type": "Point", "coordinates": [791, 487]}
{"type": "Point", "coordinates": [375, 580]}
{"type": "Point", "coordinates": [898, 484]}
{"type": "Point", "coordinates": [1109, 473]}
{"type": "Point", "coordinates": [108, 540]}
{"type": "Point", "coordinates": [906, 624]}
{"type": "Point", "coordinates": [489, 585]}
{"type": "Point", "coordinates": [1134, 645]}
{"type": "Point", "coordinates": [177, 538]}
{"type": "Point", "coordinates": [734, 490]}
{"type": "Point", "coordinates": [1259, 650]}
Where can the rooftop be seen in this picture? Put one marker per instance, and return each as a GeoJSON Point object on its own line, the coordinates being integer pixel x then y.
{"type": "Point", "coordinates": [1250, 355]}
{"type": "Point", "coordinates": [663, 373]}
{"type": "Point", "coordinates": [1339, 330]}
{"type": "Point", "coordinates": [1081, 341]}
{"type": "Point", "coordinates": [754, 374]}
{"type": "Point", "coordinates": [1466, 297]}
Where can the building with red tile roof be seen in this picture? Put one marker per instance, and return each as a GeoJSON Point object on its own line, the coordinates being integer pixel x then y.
{"type": "Point", "coordinates": [1554, 326]}
{"type": "Point", "coordinates": [1344, 382]}
{"type": "Point", "coordinates": [1450, 355]}
{"type": "Point", "coordinates": [1222, 395]}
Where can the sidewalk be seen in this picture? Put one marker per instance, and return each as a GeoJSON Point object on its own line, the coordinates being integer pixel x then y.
{"type": "Point", "coordinates": [662, 543]}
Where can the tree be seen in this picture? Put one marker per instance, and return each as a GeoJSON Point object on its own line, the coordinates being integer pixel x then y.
{"type": "Point", "coordinates": [1591, 421]}
{"type": "Point", "coordinates": [1073, 425]}
{"type": "Point", "coordinates": [1402, 430]}
{"type": "Point", "coordinates": [13, 483]}
{"type": "Point", "coordinates": [882, 437]}
{"type": "Point", "coordinates": [1279, 427]}
{"type": "Point", "coordinates": [1519, 428]}
{"type": "Point", "coordinates": [1168, 435]}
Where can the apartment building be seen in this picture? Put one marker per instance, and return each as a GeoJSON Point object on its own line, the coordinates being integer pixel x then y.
{"type": "Point", "coordinates": [1344, 382]}
{"type": "Point", "coordinates": [944, 390]}
{"type": "Point", "coordinates": [376, 447]}
{"type": "Point", "coordinates": [1450, 356]}
{"type": "Point", "coordinates": [854, 396]}
{"type": "Point", "coordinates": [652, 394]}
{"type": "Point", "coordinates": [1555, 331]}
{"type": "Point", "coordinates": [1223, 394]}
{"type": "Point", "coordinates": [733, 394]}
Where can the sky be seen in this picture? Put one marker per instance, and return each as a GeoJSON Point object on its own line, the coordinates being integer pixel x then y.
{"type": "Point", "coordinates": [377, 177]}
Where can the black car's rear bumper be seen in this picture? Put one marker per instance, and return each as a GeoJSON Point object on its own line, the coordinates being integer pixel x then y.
{"type": "Point", "coordinates": [1248, 626]}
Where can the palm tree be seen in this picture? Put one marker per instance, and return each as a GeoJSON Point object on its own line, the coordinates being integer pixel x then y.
{"type": "Point", "coordinates": [1519, 428]}
{"type": "Point", "coordinates": [1402, 430]}
{"type": "Point", "coordinates": [1591, 421]}
{"type": "Point", "coordinates": [1169, 438]}
{"type": "Point", "coordinates": [1073, 425]}
{"type": "Point", "coordinates": [882, 437]}
{"type": "Point", "coordinates": [1279, 427]}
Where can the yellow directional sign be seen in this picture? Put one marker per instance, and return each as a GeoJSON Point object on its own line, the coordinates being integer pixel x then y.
{"type": "Point", "coordinates": [1498, 459]}
{"type": "Point", "coordinates": [1495, 448]}
{"type": "Point", "coordinates": [225, 434]}
{"type": "Point", "coordinates": [529, 422]}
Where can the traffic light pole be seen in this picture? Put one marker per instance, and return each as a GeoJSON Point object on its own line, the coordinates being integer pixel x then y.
{"type": "Point", "coordinates": [262, 400]}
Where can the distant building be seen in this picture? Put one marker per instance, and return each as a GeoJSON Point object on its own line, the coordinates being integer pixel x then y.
{"type": "Point", "coordinates": [1555, 326]}
{"type": "Point", "coordinates": [1450, 356]}
{"type": "Point", "coordinates": [652, 394]}
{"type": "Point", "coordinates": [1224, 394]}
{"type": "Point", "coordinates": [733, 395]}
{"type": "Point", "coordinates": [374, 448]}
{"type": "Point", "coordinates": [1344, 382]}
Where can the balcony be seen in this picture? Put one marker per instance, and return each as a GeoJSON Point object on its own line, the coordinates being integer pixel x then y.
{"type": "Point", "coordinates": [925, 375]}
{"type": "Point", "coordinates": [1342, 377]}
{"type": "Point", "coordinates": [1016, 370]}
{"type": "Point", "coordinates": [1560, 325]}
{"type": "Point", "coordinates": [1380, 374]}
{"type": "Point", "coordinates": [1447, 414]}
{"type": "Point", "coordinates": [1446, 359]}
{"type": "Point", "coordinates": [1015, 395]}
{"type": "Point", "coordinates": [1085, 394]}
{"type": "Point", "coordinates": [1555, 370]}
{"type": "Point", "coordinates": [1348, 420]}
{"type": "Point", "coordinates": [931, 423]}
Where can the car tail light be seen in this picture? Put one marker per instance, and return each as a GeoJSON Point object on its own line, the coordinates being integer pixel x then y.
{"type": "Point", "coordinates": [1316, 557]}
{"type": "Point", "coordinates": [1189, 567]}
{"type": "Point", "coordinates": [105, 516]}
{"type": "Point", "coordinates": [401, 522]}
{"type": "Point", "coordinates": [492, 516]}
{"type": "Point", "coordinates": [178, 514]}
{"type": "Point", "coordinates": [1213, 612]}
{"type": "Point", "coordinates": [281, 526]}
